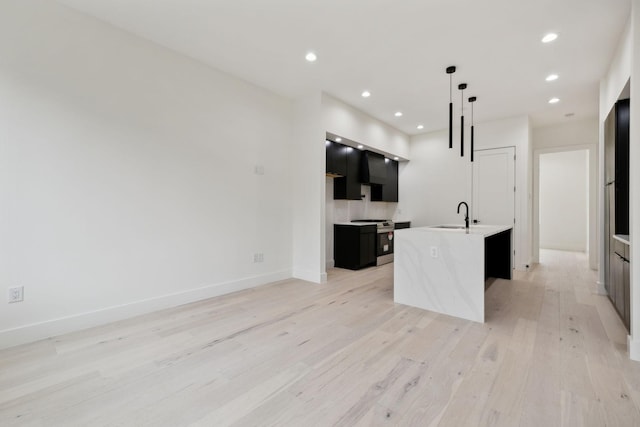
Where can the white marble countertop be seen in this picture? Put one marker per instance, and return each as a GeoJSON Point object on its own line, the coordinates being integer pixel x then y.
{"type": "Point", "coordinates": [624, 238]}
{"type": "Point", "coordinates": [475, 229]}
{"type": "Point", "coordinates": [443, 269]}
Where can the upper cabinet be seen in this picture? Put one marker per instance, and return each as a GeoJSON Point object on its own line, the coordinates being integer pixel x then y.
{"type": "Point", "coordinates": [336, 155]}
{"type": "Point", "coordinates": [387, 192]}
{"type": "Point", "coordinates": [621, 184]}
{"type": "Point", "coordinates": [349, 186]}
{"type": "Point", "coordinates": [351, 168]}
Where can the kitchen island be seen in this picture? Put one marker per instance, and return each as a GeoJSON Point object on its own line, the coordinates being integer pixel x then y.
{"type": "Point", "coordinates": [444, 268]}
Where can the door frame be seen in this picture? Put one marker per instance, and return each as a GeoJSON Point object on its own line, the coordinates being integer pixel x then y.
{"type": "Point", "coordinates": [593, 234]}
{"type": "Point", "coordinates": [515, 174]}
{"type": "Point", "coordinates": [514, 151]}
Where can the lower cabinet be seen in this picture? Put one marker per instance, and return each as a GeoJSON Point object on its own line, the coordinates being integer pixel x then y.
{"type": "Point", "coordinates": [402, 224]}
{"type": "Point", "coordinates": [619, 283]}
{"type": "Point", "coordinates": [626, 284]}
{"type": "Point", "coordinates": [354, 247]}
{"type": "Point", "coordinates": [497, 256]}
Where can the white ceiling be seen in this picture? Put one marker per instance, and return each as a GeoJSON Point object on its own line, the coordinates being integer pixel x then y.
{"type": "Point", "coordinates": [398, 50]}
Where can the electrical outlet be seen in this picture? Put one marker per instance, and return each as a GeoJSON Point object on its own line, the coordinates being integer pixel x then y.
{"type": "Point", "coordinates": [259, 257]}
{"type": "Point", "coordinates": [434, 252]}
{"type": "Point", "coordinates": [16, 294]}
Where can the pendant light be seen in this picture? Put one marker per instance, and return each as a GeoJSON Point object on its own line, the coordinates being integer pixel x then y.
{"type": "Point", "coordinates": [462, 87]}
{"type": "Point", "coordinates": [471, 101]}
{"type": "Point", "coordinates": [450, 71]}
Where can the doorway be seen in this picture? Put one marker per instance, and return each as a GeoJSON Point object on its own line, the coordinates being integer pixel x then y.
{"type": "Point", "coordinates": [565, 200]}
{"type": "Point", "coordinates": [563, 208]}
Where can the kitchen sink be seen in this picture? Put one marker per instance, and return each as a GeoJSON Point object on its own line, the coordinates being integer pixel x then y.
{"type": "Point", "coordinates": [451, 227]}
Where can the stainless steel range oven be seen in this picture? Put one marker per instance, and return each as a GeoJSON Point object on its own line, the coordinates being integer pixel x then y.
{"type": "Point", "coordinates": [384, 239]}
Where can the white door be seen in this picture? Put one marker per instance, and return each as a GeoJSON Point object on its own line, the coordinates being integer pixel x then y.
{"type": "Point", "coordinates": [494, 186]}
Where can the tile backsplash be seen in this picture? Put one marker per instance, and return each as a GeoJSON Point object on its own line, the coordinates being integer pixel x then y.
{"type": "Point", "coordinates": [347, 210]}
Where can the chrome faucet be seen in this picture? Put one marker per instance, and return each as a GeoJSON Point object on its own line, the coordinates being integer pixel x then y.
{"type": "Point", "coordinates": [466, 216]}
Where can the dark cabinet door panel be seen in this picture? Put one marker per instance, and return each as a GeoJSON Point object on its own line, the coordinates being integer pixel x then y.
{"type": "Point", "coordinates": [336, 157]}
{"type": "Point", "coordinates": [387, 192]}
{"type": "Point", "coordinates": [621, 183]}
{"type": "Point", "coordinates": [618, 283]}
{"type": "Point", "coordinates": [354, 247]}
{"type": "Point", "coordinates": [349, 187]}
{"type": "Point", "coordinates": [626, 287]}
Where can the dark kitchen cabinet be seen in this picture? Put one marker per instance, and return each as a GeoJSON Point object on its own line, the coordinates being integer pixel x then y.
{"type": "Point", "coordinates": [619, 283]}
{"type": "Point", "coordinates": [621, 174]}
{"type": "Point", "coordinates": [497, 258]}
{"type": "Point", "coordinates": [354, 247]}
{"type": "Point", "coordinates": [336, 156]}
{"type": "Point", "coordinates": [387, 192]}
{"type": "Point", "coordinates": [627, 290]}
{"type": "Point", "coordinates": [616, 201]}
{"type": "Point", "coordinates": [348, 187]}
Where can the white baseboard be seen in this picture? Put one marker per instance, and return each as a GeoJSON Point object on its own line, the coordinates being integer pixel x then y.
{"type": "Point", "coordinates": [600, 289]}
{"type": "Point", "coordinates": [76, 322]}
{"type": "Point", "coordinates": [331, 264]}
{"type": "Point", "coordinates": [310, 276]}
{"type": "Point", "coordinates": [634, 348]}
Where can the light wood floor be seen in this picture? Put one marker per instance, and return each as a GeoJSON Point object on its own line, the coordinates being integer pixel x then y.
{"type": "Point", "coordinates": [551, 353]}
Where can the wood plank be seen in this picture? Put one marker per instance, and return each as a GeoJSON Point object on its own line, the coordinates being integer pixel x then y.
{"type": "Point", "coordinates": [551, 352]}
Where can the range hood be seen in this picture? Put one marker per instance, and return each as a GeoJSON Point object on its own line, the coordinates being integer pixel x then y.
{"type": "Point", "coordinates": [373, 169]}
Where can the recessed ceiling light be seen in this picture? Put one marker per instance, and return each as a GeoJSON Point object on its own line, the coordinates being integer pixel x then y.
{"type": "Point", "coordinates": [554, 100]}
{"type": "Point", "coordinates": [338, 139]}
{"type": "Point", "coordinates": [398, 114]}
{"type": "Point", "coordinates": [551, 77]}
{"type": "Point", "coordinates": [360, 146]}
{"type": "Point", "coordinates": [311, 57]}
{"type": "Point", "coordinates": [366, 94]}
{"type": "Point", "coordinates": [549, 38]}
{"type": "Point", "coordinates": [420, 127]}
{"type": "Point", "coordinates": [395, 158]}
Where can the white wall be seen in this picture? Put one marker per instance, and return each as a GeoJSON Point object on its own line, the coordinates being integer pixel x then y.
{"type": "Point", "coordinates": [572, 133]}
{"type": "Point", "coordinates": [564, 184]}
{"type": "Point", "coordinates": [308, 162]}
{"type": "Point", "coordinates": [342, 119]}
{"type": "Point", "coordinates": [625, 66]}
{"type": "Point", "coordinates": [127, 177]}
{"type": "Point", "coordinates": [437, 178]}
{"type": "Point", "coordinates": [570, 136]}
{"type": "Point", "coordinates": [434, 181]}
